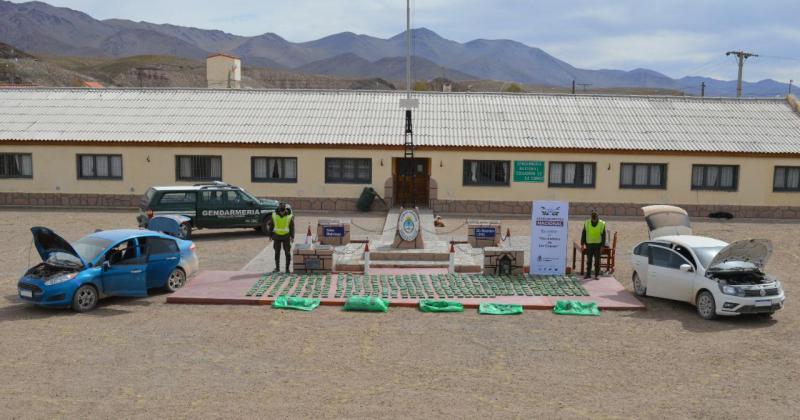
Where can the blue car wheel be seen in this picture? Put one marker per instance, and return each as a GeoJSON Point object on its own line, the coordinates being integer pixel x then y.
{"type": "Point", "coordinates": [85, 298]}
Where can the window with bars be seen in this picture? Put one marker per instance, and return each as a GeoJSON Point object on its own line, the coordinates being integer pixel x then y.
{"type": "Point", "coordinates": [715, 177]}
{"type": "Point", "coordinates": [198, 168]}
{"type": "Point", "coordinates": [643, 175]}
{"type": "Point", "coordinates": [786, 179]}
{"type": "Point", "coordinates": [491, 173]}
{"type": "Point", "coordinates": [273, 169]}
{"type": "Point", "coordinates": [16, 165]}
{"type": "Point", "coordinates": [572, 174]}
{"type": "Point", "coordinates": [99, 166]}
{"type": "Point", "coordinates": [348, 171]}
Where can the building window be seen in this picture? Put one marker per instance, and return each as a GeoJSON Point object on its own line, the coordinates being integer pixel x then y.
{"type": "Point", "coordinates": [348, 171]}
{"type": "Point", "coordinates": [643, 175]}
{"type": "Point", "coordinates": [99, 166]}
{"type": "Point", "coordinates": [198, 168]}
{"type": "Point", "coordinates": [715, 177]}
{"type": "Point", "coordinates": [486, 172]}
{"type": "Point", "coordinates": [572, 174]}
{"type": "Point", "coordinates": [787, 178]}
{"type": "Point", "coordinates": [268, 169]}
{"type": "Point", "coordinates": [16, 165]}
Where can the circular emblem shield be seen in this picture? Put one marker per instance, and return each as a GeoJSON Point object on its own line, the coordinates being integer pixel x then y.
{"type": "Point", "coordinates": [763, 292]}
{"type": "Point", "coordinates": [408, 225]}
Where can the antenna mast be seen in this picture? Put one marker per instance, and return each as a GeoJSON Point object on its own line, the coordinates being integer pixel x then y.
{"type": "Point", "coordinates": [409, 184]}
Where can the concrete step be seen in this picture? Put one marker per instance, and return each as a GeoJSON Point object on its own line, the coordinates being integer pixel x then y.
{"type": "Point", "coordinates": [407, 264]}
{"type": "Point", "coordinates": [408, 255]}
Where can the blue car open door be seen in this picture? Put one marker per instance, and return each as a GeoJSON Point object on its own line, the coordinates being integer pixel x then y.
{"type": "Point", "coordinates": [163, 256]}
{"type": "Point", "coordinates": [125, 270]}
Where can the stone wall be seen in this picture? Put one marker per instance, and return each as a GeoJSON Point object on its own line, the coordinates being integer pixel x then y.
{"type": "Point", "coordinates": [308, 258]}
{"type": "Point", "coordinates": [611, 209]}
{"type": "Point", "coordinates": [492, 257]}
{"type": "Point", "coordinates": [106, 201]}
{"type": "Point", "coordinates": [333, 240]}
{"type": "Point", "coordinates": [494, 208]}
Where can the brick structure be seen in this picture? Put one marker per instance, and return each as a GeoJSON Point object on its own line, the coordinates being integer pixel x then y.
{"type": "Point", "coordinates": [309, 258]}
{"type": "Point", "coordinates": [493, 259]}
{"type": "Point", "coordinates": [334, 232]}
{"type": "Point", "coordinates": [483, 233]}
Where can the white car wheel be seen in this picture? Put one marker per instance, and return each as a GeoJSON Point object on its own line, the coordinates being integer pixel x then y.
{"type": "Point", "coordinates": [706, 305]}
{"type": "Point", "coordinates": [638, 287]}
{"type": "Point", "coordinates": [176, 279]}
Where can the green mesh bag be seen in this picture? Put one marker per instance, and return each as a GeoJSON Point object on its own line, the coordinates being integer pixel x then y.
{"type": "Point", "coordinates": [440, 306]}
{"type": "Point", "coordinates": [296, 303]}
{"type": "Point", "coordinates": [499, 309]}
{"type": "Point", "coordinates": [366, 304]}
{"type": "Point", "coordinates": [575, 307]}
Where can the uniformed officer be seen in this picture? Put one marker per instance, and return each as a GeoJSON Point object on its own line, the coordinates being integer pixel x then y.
{"type": "Point", "coordinates": [281, 230]}
{"type": "Point", "coordinates": [593, 238]}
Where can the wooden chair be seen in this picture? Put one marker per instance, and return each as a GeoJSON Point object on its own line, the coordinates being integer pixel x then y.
{"type": "Point", "coordinates": [608, 256]}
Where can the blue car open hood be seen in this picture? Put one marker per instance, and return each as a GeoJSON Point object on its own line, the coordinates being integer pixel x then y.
{"type": "Point", "coordinates": [48, 243]}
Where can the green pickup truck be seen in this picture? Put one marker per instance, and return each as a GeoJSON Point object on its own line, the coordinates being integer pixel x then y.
{"type": "Point", "coordinates": [214, 205]}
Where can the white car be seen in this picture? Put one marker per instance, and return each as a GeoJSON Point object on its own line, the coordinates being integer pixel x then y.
{"type": "Point", "coordinates": [717, 277]}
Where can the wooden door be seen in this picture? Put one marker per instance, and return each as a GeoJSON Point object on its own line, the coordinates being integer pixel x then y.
{"type": "Point", "coordinates": [404, 183]}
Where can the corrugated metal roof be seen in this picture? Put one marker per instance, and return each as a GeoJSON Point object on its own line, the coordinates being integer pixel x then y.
{"type": "Point", "coordinates": [375, 118]}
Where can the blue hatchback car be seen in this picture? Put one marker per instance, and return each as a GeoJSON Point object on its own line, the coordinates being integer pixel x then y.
{"type": "Point", "coordinates": [105, 263]}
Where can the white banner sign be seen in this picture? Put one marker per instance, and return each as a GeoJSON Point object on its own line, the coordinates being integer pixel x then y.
{"type": "Point", "coordinates": [549, 228]}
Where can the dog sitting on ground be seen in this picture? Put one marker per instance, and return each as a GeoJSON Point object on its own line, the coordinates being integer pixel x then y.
{"type": "Point", "coordinates": [438, 222]}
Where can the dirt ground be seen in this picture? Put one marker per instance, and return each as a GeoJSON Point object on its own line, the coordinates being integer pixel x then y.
{"type": "Point", "coordinates": [142, 358]}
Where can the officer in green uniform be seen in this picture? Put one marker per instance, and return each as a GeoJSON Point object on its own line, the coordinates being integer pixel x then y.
{"type": "Point", "coordinates": [281, 230]}
{"type": "Point", "coordinates": [593, 238]}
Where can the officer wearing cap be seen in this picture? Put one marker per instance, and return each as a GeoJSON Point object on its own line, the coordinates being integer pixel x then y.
{"type": "Point", "coordinates": [593, 238]}
{"type": "Point", "coordinates": [281, 230]}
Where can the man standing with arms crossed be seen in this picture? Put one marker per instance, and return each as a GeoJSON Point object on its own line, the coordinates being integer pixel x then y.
{"type": "Point", "coordinates": [281, 230]}
{"type": "Point", "coordinates": [593, 238]}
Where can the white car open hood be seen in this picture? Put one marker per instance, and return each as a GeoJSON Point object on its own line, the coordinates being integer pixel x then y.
{"type": "Point", "coordinates": [753, 251]}
{"type": "Point", "coordinates": [665, 220]}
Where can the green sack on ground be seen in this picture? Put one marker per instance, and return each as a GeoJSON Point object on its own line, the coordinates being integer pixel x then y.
{"type": "Point", "coordinates": [499, 309]}
{"type": "Point", "coordinates": [294, 302]}
{"type": "Point", "coordinates": [575, 307]}
{"type": "Point", "coordinates": [366, 303]}
{"type": "Point", "coordinates": [440, 306]}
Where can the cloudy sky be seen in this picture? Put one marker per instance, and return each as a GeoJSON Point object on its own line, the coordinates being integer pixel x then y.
{"type": "Point", "coordinates": [675, 37]}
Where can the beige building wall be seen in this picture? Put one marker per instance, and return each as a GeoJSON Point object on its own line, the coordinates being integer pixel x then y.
{"type": "Point", "coordinates": [220, 68]}
{"type": "Point", "coordinates": [55, 171]}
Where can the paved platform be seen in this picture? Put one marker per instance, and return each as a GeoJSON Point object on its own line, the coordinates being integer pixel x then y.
{"type": "Point", "coordinates": [402, 288]}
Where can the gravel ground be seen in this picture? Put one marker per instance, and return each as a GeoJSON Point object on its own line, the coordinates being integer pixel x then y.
{"type": "Point", "coordinates": [143, 358]}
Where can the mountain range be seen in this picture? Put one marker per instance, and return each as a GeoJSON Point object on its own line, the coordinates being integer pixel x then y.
{"type": "Point", "coordinates": [40, 28]}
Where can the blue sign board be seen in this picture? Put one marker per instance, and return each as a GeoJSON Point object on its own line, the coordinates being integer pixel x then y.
{"type": "Point", "coordinates": [485, 233]}
{"type": "Point", "coordinates": [333, 231]}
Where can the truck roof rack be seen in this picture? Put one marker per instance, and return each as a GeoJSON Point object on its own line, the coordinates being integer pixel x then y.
{"type": "Point", "coordinates": [213, 184]}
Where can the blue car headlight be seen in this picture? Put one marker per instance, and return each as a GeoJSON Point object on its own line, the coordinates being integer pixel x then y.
{"type": "Point", "coordinates": [61, 278]}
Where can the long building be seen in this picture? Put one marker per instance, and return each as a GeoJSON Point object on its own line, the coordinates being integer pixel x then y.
{"type": "Point", "coordinates": [476, 152]}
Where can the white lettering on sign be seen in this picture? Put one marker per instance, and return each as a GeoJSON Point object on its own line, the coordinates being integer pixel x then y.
{"type": "Point", "coordinates": [229, 213]}
{"type": "Point", "coordinates": [549, 228]}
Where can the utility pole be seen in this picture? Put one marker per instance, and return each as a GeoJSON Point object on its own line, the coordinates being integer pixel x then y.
{"type": "Point", "coordinates": [702, 89]}
{"type": "Point", "coordinates": [573, 87]}
{"type": "Point", "coordinates": [742, 56]}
